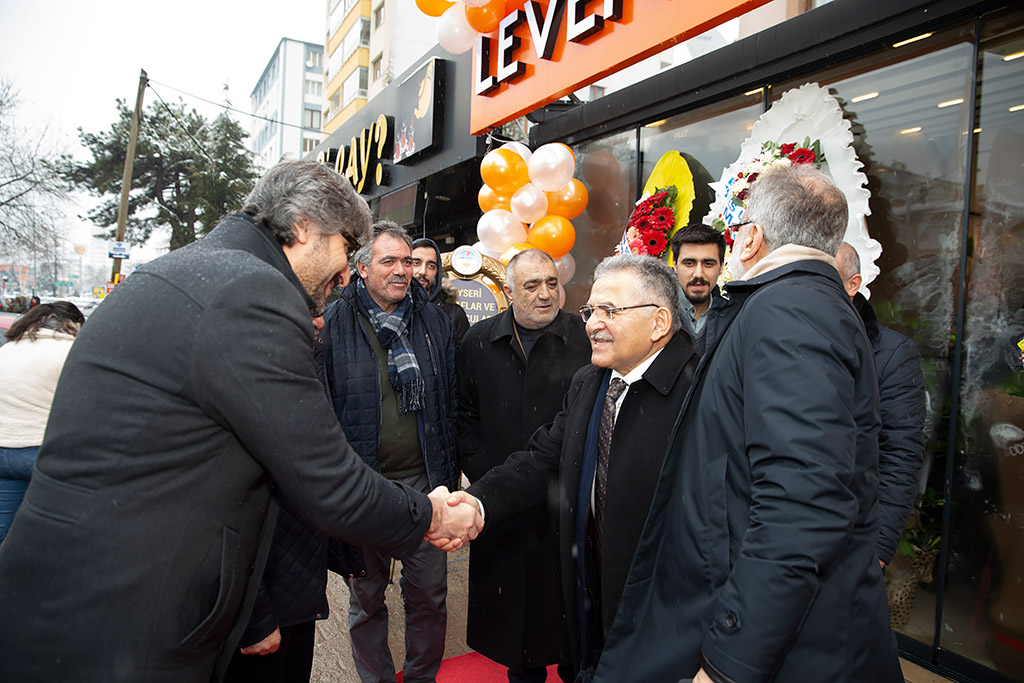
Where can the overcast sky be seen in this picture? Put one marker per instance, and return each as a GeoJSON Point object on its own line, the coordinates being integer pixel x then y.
{"type": "Point", "coordinates": [70, 60]}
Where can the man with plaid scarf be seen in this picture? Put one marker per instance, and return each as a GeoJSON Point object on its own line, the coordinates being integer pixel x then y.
{"type": "Point", "coordinates": [389, 357]}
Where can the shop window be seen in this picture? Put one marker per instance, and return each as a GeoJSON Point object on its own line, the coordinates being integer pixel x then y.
{"type": "Point", "coordinates": [607, 168]}
{"type": "Point", "coordinates": [311, 118]}
{"type": "Point", "coordinates": [378, 16]}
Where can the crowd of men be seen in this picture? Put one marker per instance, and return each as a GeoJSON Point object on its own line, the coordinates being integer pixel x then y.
{"type": "Point", "coordinates": [673, 484]}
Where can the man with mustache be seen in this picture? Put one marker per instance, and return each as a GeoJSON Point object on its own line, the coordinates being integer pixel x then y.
{"type": "Point", "coordinates": [605, 447]}
{"type": "Point", "coordinates": [186, 400]}
{"type": "Point", "coordinates": [699, 253]}
{"type": "Point", "coordinates": [389, 359]}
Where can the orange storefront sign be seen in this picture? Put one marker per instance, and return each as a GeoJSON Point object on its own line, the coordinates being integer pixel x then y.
{"type": "Point", "coordinates": [542, 52]}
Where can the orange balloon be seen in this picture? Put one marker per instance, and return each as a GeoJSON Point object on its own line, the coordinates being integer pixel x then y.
{"type": "Point", "coordinates": [514, 249]}
{"type": "Point", "coordinates": [504, 170]}
{"type": "Point", "coordinates": [570, 201]}
{"type": "Point", "coordinates": [486, 19]}
{"type": "Point", "coordinates": [433, 8]}
{"type": "Point", "coordinates": [552, 234]}
{"type": "Point", "coordinates": [489, 199]}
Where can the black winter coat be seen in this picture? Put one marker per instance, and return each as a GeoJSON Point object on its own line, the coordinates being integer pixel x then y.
{"type": "Point", "coordinates": [901, 438]}
{"type": "Point", "coordinates": [642, 431]}
{"type": "Point", "coordinates": [189, 394]}
{"type": "Point", "coordinates": [436, 293]}
{"type": "Point", "coordinates": [513, 571]}
{"type": "Point", "coordinates": [758, 558]}
{"type": "Point", "coordinates": [353, 381]}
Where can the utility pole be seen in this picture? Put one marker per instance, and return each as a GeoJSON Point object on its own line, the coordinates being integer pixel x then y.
{"type": "Point", "coordinates": [129, 163]}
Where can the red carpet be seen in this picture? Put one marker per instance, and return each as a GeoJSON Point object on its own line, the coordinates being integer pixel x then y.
{"type": "Point", "coordinates": [475, 668]}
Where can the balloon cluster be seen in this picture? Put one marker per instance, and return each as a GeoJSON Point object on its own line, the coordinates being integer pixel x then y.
{"type": "Point", "coordinates": [530, 189]}
{"type": "Point", "coordinates": [463, 21]}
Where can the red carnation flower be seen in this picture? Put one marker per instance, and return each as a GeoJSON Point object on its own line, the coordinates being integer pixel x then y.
{"type": "Point", "coordinates": [728, 237]}
{"type": "Point", "coordinates": [802, 156]}
{"type": "Point", "coordinates": [752, 178]}
{"type": "Point", "coordinates": [655, 243]}
{"type": "Point", "coordinates": [663, 218]}
{"type": "Point", "coordinates": [787, 148]}
{"type": "Point", "coordinates": [742, 194]}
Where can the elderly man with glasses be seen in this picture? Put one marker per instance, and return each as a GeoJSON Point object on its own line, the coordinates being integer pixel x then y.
{"type": "Point", "coordinates": [605, 447]}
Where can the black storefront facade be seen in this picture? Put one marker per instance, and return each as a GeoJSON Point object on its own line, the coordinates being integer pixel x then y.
{"type": "Point", "coordinates": [409, 153]}
{"type": "Point", "coordinates": [935, 95]}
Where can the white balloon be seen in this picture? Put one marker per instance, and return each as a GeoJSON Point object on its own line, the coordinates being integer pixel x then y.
{"type": "Point", "coordinates": [454, 32]}
{"type": "Point", "coordinates": [551, 166]}
{"type": "Point", "coordinates": [566, 267]}
{"type": "Point", "coordinates": [529, 203]}
{"type": "Point", "coordinates": [475, 3]}
{"type": "Point", "coordinates": [498, 229]}
{"type": "Point", "coordinates": [483, 249]}
{"type": "Point", "coordinates": [519, 148]}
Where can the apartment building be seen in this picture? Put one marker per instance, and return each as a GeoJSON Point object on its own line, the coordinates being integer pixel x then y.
{"type": "Point", "coordinates": [287, 103]}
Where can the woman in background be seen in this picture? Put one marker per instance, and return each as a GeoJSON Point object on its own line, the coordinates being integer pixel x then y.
{"type": "Point", "coordinates": [30, 364]}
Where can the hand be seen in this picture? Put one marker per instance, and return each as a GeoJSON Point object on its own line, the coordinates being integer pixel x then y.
{"type": "Point", "coordinates": [702, 677]}
{"type": "Point", "coordinates": [456, 519]}
{"type": "Point", "coordinates": [881, 564]}
{"type": "Point", "coordinates": [265, 646]}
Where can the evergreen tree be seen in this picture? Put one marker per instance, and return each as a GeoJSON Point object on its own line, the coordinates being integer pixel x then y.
{"type": "Point", "coordinates": [189, 172]}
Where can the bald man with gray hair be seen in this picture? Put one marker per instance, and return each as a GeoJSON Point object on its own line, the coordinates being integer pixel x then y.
{"type": "Point", "coordinates": [901, 400]}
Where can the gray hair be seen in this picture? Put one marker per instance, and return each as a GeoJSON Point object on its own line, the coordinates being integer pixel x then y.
{"type": "Point", "coordinates": [655, 280]}
{"type": "Point", "coordinates": [848, 261]}
{"type": "Point", "coordinates": [522, 257]}
{"type": "Point", "coordinates": [365, 253]}
{"type": "Point", "coordinates": [296, 191]}
{"type": "Point", "coordinates": [798, 205]}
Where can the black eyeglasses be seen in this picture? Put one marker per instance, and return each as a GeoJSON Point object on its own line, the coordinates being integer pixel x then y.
{"type": "Point", "coordinates": [738, 225]}
{"type": "Point", "coordinates": [606, 311]}
{"type": "Point", "coordinates": [352, 246]}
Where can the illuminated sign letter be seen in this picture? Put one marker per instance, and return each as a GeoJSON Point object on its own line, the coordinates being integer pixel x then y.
{"type": "Point", "coordinates": [581, 26]}
{"type": "Point", "coordinates": [544, 36]}
{"type": "Point", "coordinates": [483, 81]}
{"type": "Point", "coordinates": [508, 43]}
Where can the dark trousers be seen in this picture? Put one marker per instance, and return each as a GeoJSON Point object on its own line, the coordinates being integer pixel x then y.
{"type": "Point", "coordinates": [540, 674]}
{"type": "Point", "coordinates": [291, 663]}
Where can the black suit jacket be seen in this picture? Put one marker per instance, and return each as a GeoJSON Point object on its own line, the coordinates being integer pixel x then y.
{"type": "Point", "coordinates": [642, 430]}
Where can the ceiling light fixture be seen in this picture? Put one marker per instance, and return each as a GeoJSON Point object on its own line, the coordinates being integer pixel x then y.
{"type": "Point", "coordinates": [1017, 108]}
{"type": "Point", "coordinates": [866, 96]}
{"type": "Point", "coordinates": [950, 103]}
{"type": "Point", "coordinates": [752, 92]}
{"type": "Point", "coordinates": [908, 41]}
{"type": "Point", "coordinates": [915, 129]}
{"type": "Point", "coordinates": [1015, 55]}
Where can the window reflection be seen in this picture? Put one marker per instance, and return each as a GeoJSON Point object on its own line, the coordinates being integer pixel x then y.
{"type": "Point", "coordinates": [607, 168]}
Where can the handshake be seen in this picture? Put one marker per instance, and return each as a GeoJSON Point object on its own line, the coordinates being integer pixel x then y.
{"type": "Point", "coordinates": [456, 519]}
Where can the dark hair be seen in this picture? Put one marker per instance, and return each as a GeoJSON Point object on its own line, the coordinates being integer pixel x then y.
{"type": "Point", "coordinates": [60, 316]}
{"type": "Point", "coordinates": [698, 233]}
{"type": "Point", "coordinates": [293, 191]}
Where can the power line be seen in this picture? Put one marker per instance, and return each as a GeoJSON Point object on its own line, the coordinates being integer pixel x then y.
{"type": "Point", "coordinates": [180, 124]}
{"type": "Point", "coordinates": [224, 106]}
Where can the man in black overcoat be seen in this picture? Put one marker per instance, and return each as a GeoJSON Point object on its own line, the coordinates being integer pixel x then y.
{"type": "Point", "coordinates": [628, 398]}
{"type": "Point", "coordinates": [514, 370]}
{"type": "Point", "coordinates": [758, 559]}
{"type": "Point", "coordinates": [901, 403]}
{"type": "Point", "coordinates": [189, 396]}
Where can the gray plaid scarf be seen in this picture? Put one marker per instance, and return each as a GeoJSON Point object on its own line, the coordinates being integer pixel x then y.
{"type": "Point", "coordinates": [393, 334]}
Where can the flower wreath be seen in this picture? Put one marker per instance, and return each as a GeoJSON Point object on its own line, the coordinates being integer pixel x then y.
{"type": "Point", "coordinates": [652, 222]}
{"type": "Point", "coordinates": [773, 156]}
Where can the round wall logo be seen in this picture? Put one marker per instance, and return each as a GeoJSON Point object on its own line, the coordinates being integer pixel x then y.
{"type": "Point", "coordinates": [466, 261]}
